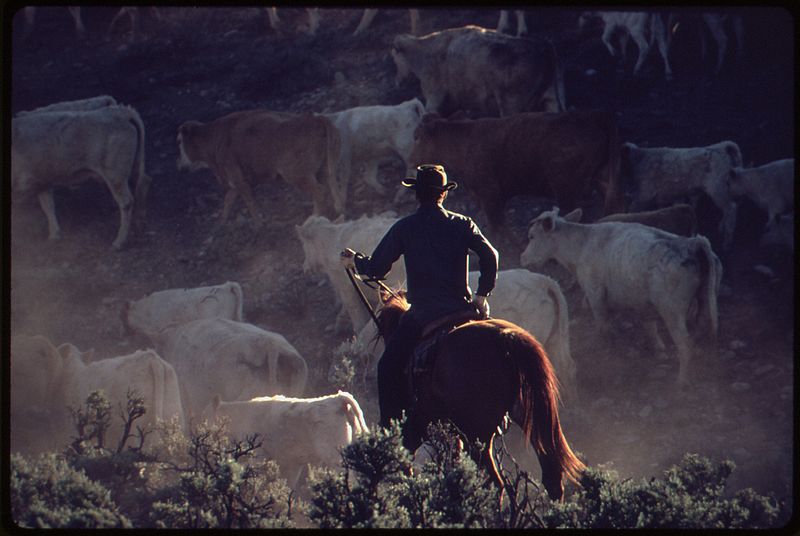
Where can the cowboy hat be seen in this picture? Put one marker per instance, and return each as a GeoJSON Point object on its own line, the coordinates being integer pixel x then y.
{"type": "Point", "coordinates": [430, 176]}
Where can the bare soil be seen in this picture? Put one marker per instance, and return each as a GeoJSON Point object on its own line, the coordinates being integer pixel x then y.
{"type": "Point", "coordinates": [200, 63]}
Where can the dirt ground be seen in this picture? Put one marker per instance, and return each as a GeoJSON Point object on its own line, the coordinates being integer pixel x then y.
{"type": "Point", "coordinates": [200, 63]}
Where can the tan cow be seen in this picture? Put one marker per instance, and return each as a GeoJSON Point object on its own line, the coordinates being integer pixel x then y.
{"type": "Point", "coordinates": [46, 381]}
{"type": "Point", "coordinates": [323, 240]}
{"type": "Point", "coordinates": [564, 156]}
{"type": "Point", "coordinates": [482, 70]}
{"type": "Point", "coordinates": [295, 432]}
{"type": "Point", "coordinates": [629, 266]}
{"type": "Point", "coordinates": [81, 105]}
{"type": "Point", "coordinates": [369, 133]}
{"type": "Point", "coordinates": [164, 309]}
{"type": "Point", "coordinates": [61, 148]}
{"type": "Point", "coordinates": [252, 145]}
{"type": "Point", "coordinates": [236, 360]}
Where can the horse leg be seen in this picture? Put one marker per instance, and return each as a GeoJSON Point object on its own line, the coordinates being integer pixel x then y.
{"type": "Point", "coordinates": [551, 475]}
{"type": "Point", "coordinates": [490, 464]}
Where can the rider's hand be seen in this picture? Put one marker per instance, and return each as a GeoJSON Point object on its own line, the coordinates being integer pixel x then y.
{"type": "Point", "coordinates": [482, 303]}
{"type": "Point", "coordinates": [346, 258]}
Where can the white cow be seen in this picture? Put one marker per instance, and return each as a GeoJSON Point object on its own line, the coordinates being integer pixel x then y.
{"type": "Point", "coordinates": [81, 105]}
{"type": "Point", "coordinates": [629, 266]}
{"type": "Point", "coordinates": [323, 240]}
{"type": "Point", "coordinates": [663, 175]}
{"type": "Point", "coordinates": [295, 432]}
{"type": "Point", "coordinates": [371, 132]}
{"type": "Point", "coordinates": [60, 148]}
{"type": "Point", "coordinates": [46, 381]}
{"type": "Point", "coordinates": [677, 219]}
{"type": "Point", "coordinates": [532, 301]}
{"type": "Point", "coordinates": [646, 30]}
{"type": "Point", "coordinates": [165, 309]}
{"type": "Point", "coordinates": [236, 360]}
{"type": "Point", "coordinates": [770, 186]}
{"type": "Point", "coordinates": [503, 24]}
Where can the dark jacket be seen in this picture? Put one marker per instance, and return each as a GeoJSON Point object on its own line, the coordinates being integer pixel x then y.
{"type": "Point", "coordinates": [434, 243]}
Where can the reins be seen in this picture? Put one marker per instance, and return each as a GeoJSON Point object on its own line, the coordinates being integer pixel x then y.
{"type": "Point", "coordinates": [353, 276]}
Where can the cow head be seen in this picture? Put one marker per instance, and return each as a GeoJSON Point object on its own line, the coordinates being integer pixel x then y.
{"type": "Point", "coordinates": [189, 158]}
{"type": "Point", "coordinates": [399, 55]}
{"type": "Point", "coordinates": [542, 236]}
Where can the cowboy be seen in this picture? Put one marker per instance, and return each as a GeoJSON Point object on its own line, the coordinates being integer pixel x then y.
{"type": "Point", "coordinates": [434, 243]}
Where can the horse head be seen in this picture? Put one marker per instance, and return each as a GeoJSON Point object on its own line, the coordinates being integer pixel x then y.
{"type": "Point", "coordinates": [393, 306]}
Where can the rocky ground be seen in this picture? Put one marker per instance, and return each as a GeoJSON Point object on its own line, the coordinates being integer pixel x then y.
{"type": "Point", "coordinates": [200, 63]}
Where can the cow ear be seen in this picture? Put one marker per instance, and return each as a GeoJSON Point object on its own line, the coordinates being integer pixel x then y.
{"type": "Point", "coordinates": [574, 216]}
{"type": "Point", "coordinates": [549, 222]}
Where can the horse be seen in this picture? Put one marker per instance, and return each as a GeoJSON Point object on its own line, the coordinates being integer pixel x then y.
{"type": "Point", "coordinates": [485, 369]}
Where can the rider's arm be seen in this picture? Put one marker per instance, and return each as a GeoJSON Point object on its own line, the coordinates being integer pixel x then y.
{"type": "Point", "coordinates": [487, 260]}
{"type": "Point", "coordinates": [380, 262]}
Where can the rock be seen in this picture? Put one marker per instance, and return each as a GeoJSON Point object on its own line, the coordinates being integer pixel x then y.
{"type": "Point", "coordinates": [590, 72]}
{"type": "Point", "coordinates": [737, 345]}
{"type": "Point", "coordinates": [660, 402]}
{"type": "Point", "coordinates": [740, 387]}
{"type": "Point", "coordinates": [646, 411]}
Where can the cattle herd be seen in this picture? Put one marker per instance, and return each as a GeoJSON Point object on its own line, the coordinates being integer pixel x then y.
{"type": "Point", "coordinates": [491, 108]}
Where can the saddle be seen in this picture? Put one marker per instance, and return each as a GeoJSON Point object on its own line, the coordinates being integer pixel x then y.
{"type": "Point", "coordinates": [433, 334]}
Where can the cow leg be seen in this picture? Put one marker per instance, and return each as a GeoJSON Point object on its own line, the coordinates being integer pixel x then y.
{"type": "Point", "coordinates": [366, 20]}
{"type": "Point", "coordinates": [502, 24]}
{"type": "Point", "coordinates": [313, 20]}
{"type": "Point", "coordinates": [124, 198]}
{"type": "Point", "coordinates": [49, 209]}
{"type": "Point", "coordinates": [522, 27]}
{"type": "Point", "coordinates": [644, 48]}
{"type": "Point", "coordinates": [413, 14]}
{"type": "Point", "coordinates": [652, 329]}
{"type": "Point", "coordinates": [230, 198]}
{"type": "Point", "coordinates": [272, 16]}
{"type": "Point", "coordinates": [370, 175]}
{"type": "Point", "coordinates": [624, 39]}
{"type": "Point", "coordinates": [718, 32]}
{"type": "Point", "coordinates": [80, 31]}
{"type": "Point", "coordinates": [608, 33]}
{"type": "Point", "coordinates": [676, 325]}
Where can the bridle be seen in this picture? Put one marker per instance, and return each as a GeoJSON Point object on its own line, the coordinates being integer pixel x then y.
{"type": "Point", "coordinates": [379, 285]}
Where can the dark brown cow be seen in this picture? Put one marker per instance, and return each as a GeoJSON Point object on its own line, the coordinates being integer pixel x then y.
{"type": "Point", "coordinates": [251, 145]}
{"type": "Point", "coordinates": [559, 155]}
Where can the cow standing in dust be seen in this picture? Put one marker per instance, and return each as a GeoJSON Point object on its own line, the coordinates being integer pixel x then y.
{"type": "Point", "coordinates": [50, 149]}
{"type": "Point", "coordinates": [629, 266]}
{"type": "Point", "coordinates": [484, 70]}
{"type": "Point", "coordinates": [253, 145]}
{"type": "Point", "coordinates": [563, 156]}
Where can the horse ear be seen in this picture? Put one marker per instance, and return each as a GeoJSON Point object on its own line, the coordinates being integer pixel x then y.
{"type": "Point", "coordinates": [384, 296]}
{"type": "Point", "coordinates": [574, 216]}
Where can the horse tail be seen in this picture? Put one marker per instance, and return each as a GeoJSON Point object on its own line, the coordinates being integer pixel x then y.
{"type": "Point", "coordinates": [538, 399]}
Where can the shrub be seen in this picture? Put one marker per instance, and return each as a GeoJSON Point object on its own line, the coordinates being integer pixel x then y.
{"type": "Point", "coordinates": [49, 493]}
{"type": "Point", "coordinates": [689, 496]}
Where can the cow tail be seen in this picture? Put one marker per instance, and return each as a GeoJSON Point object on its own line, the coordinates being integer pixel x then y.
{"type": "Point", "coordinates": [354, 414]}
{"type": "Point", "coordinates": [558, 339]}
{"type": "Point", "coordinates": [236, 289]}
{"type": "Point", "coordinates": [613, 191]}
{"type": "Point", "coordinates": [142, 180]}
{"type": "Point", "coordinates": [334, 149]}
{"type": "Point", "coordinates": [159, 386]}
{"type": "Point", "coordinates": [709, 290]}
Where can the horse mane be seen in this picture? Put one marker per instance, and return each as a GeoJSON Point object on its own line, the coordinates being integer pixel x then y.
{"type": "Point", "coordinates": [388, 316]}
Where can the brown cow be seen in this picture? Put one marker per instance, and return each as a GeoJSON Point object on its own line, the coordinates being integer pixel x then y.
{"type": "Point", "coordinates": [484, 70]}
{"type": "Point", "coordinates": [561, 155]}
{"type": "Point", "coordinates": [251, 145]}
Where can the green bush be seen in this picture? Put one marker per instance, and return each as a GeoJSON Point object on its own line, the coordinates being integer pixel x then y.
{"type": "Point", "coordinates": [689, 496]}
{"type": "Point", "coordinates": [49, 493]}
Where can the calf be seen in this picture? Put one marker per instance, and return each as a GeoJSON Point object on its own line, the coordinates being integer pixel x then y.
{"type": "Point", "coordinates": [61, 148]}
{"type": "Point", "coordinates": [322, 242]}
{"type": "Point", "coordinates": [233, 359]}
{"type": "Point", "coordinates": [46, 381]}
{"type": "Point", "coordinates": [663, 175]}
{"type": "Point", "coordinates": [369, 132]}
{"type": "Point", "coordinates": [629, 266]}
{"type": "Point", "coordinates": [770, 186]}
{"type": "Point", "coordinates": [295, 432]}
{"type": "Point", "coordinates": [165, 309]}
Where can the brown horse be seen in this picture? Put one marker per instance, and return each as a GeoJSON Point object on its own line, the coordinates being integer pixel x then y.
{"type": "Point", "coordinates": [483, 370]}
